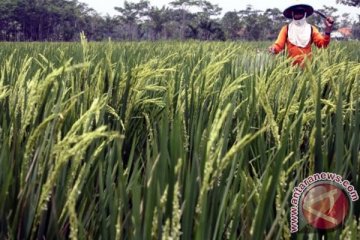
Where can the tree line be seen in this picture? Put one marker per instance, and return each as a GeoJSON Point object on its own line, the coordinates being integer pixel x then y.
{"type": "Point", "coordinates": [62, 20]}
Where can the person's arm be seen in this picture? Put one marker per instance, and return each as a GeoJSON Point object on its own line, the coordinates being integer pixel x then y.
{"type": "Point", "coordinates": [279, 44]}
{"type": "Point", "coordinates": [322, 41]}
{"type": "Point", "coordinates": [319, 40]}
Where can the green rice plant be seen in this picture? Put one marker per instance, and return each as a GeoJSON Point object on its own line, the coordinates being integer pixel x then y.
{"type": "Point", "coordinates": [170, 140]}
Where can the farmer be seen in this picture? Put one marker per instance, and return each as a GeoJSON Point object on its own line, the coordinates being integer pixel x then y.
{"type": "Point", "coordinates": [299, 35]}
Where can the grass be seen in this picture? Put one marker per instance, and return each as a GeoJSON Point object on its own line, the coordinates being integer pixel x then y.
{"type": "Point", "coordinates": [170, 140]}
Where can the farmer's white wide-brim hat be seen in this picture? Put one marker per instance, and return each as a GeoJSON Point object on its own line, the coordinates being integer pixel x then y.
{"type": "Point", "coordinates": [307, 8]}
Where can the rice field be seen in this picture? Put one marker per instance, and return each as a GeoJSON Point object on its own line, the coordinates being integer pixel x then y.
{"type": "Point", "coordinates": [171, 140]}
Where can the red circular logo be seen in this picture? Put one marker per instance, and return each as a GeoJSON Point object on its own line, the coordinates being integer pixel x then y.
{"type": "Point", "coordinates": [325, 206]}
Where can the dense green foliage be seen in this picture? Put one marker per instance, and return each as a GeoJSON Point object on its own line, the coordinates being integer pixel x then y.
{"type": "Point", "coordinates": [62, 20]}
{"type": "Point", "coordinates": [185, 140]}
{"type": "Point", "coordinates": [355, 3]}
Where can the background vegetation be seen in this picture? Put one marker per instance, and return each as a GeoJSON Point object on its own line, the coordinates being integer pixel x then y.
{"type": "Point", "coordinates": [62, 20]}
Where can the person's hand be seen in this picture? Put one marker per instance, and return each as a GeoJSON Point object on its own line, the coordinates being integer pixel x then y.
{"type": "Point", "coordinates": [271, 49]}
{"type": "Point", "coordinates": [329, 22]}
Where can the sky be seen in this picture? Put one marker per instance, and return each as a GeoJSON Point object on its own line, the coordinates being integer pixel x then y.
{"type": "Point", "coordinates": [107, 6]}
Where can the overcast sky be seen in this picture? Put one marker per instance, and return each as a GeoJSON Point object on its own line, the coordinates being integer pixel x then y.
{"type": "Point", "coordinates": [107, 6]}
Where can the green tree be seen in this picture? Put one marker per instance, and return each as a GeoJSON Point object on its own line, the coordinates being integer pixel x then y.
{"type": "Point", "coordinates": [207, 27]}
{"type": "Point", "coordinates": [345, 20]}
{"type": "Point", "coordinates": [253, 23]}
{"type": "Point", "coordinates": [356, 29]}
{"type": "Point", "coordinates": [230, 23]}
{"type": "Point", "coordinates": [272, 23]}
{"type": "Point", "coordinates": [354, 3]}
{"type": "Point", "coordinates": [185, 17]}
{"type": "Point", "coordinates": [157, 17]}
{"type": "Point", "coordinates": [130, 17]}
{"type": "Point", "coordinates": [9, 25]}
{"type": "Point", "coordinates": [39, 20]}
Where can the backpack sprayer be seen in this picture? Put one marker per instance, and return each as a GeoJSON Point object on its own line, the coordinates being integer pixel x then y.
{"type": "Point", "coordinates": [323, 16]}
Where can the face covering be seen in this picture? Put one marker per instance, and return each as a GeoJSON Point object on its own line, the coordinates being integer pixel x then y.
{"type": "Point", "coordinates": [300, 22]}
{"type": "Point", "coordinates": [299, 32]}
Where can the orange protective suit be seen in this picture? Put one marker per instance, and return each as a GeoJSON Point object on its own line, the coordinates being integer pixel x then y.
{"type": "Point", "coordinates": [296, 52]}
